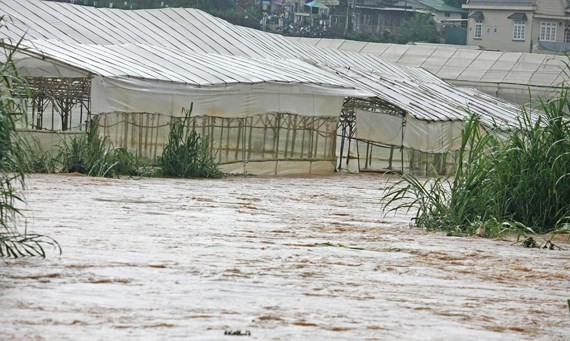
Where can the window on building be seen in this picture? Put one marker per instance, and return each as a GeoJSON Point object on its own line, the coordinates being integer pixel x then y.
{"type": "Point", "coordinates": [547, 31]}
{"type": "Point", "coordinates": [478, 29]}
{"type": "Point", "coordinates": [519, 25]}
{"type": "Point", "coordinates": [478, 17]}
{"type": "Point", "coordinates": [567, 36]}
{"type": "Point", "coordinates": [519, 30]}
{"type": "Point", "coordinates": [447, 14]}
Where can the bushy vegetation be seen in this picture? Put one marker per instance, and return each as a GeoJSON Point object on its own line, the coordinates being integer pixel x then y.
{"type": "Point", "coordinates": [87, 153]}
{"type": "Point", "coordinates": [419, 28]}
{"type": "Point", "coordinates": [187, 154]}
{"type": "Point", "coordinates": [97, 155]}
{"type": "Point", "coordinates": [237, 17]}
{"type": "Point", "coordinates": [13, 243]}
{"type": "Point", "coordinates": [384, 37]}
{"type": "Point", "coordinates": [514, 183]}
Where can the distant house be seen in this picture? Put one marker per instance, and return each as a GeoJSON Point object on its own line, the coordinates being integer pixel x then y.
{"type": "Point", "coordinates": [541, 26]}
{"type": "Point", "coordinates": [377, 16]}
{"type": "Point", "coordinates": [440, 10]}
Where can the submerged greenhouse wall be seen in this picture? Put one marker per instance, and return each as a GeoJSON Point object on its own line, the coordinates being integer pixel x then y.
{"type": "Point", "coordinates": [266, 144]}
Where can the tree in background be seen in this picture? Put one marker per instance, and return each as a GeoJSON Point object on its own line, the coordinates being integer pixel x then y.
{"type": "Point", "coordinates": [420, 28]}
{"type": "Point", "coordinates": [455, 3]}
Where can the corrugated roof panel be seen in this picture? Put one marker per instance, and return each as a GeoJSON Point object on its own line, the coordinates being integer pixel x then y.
{"type": "Point", "coordinates": [271, 45]}
{"type": "Point", "coordinates": [423, 76]}
{"type": "Point", "coordinates": [197, 31]}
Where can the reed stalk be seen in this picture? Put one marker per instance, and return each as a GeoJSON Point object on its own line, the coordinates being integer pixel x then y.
{"type": "Point", "coordinates": [518, 183]}
{"type": "Point", "coordinates": [187, 154]}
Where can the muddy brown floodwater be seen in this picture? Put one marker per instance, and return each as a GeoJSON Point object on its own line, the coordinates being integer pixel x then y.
{"type": "Point", "coordinates": [297, 258]}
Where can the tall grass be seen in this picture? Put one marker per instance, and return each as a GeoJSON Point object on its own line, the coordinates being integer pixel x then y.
{"type": "Point", "coordinates": [187, 154]}
{"type": "Point", "coordinates": [533, 171]}
{"type": "Point", "coordinates": [98, 155]}
{"type": "Point", "coordinates": [518, 182]}
{"type": "Point", "coordinates": [13, 243]}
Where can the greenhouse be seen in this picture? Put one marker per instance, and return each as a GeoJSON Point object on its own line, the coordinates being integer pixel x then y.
{"type": "Point", "coordinates": [267, 105]}
{"type": "Point", "coordinates": [262, 117]}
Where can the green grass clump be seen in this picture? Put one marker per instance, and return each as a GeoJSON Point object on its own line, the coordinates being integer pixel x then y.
{"type": "Point", "coordinates": [187, 154]}
{"type": "Point", "coordinates": [533, 171]}
{"type": "Point", "coordinates": [99, 157]}
{"type": "Point", "coordinates": [519, 183]}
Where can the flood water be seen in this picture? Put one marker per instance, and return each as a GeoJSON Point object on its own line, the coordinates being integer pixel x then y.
{"type": "Point", "coordinates": [296, 258]}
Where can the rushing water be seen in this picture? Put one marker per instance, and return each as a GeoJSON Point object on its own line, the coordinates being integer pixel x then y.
{"type": "Point", "coordinates": [283, 258]}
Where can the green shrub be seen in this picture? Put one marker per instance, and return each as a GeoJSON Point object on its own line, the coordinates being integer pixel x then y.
{"type": "Point", "coordinates": [419, 28]}
{"type": "Point", "coordinates": [187, 154]}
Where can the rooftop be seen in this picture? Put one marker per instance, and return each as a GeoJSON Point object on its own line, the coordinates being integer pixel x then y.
{"type": "Point", "coordinates": [502, 2]}
{"type": "Point", "coordinates": [441, 6]}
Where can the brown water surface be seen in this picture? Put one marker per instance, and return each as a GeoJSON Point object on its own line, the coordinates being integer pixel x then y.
{"type": "Point", "coordinates": [283, 258]}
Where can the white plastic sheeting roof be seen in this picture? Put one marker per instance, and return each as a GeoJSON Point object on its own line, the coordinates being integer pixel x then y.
{"type": "Point", "coordinates": [174, 28]}
{"type": "Point", "coordinates": [462, 65]}
{"type": "Point", "coordinates": [141, 78]}
{"type": "Point", "coordinates": [172, 65]}
{"type": "Point", "coordinates": [424, 100]}
{"type": "Point", "coordinates": [177, 29]}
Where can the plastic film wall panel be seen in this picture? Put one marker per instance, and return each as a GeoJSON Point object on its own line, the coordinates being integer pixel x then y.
{"type": "Point", "coordinates": [501, 68]}
{"type": "Point", "coordinates": [479, 67]}
{"type": "Point", "coordinates": [375, 48]}
{"type": "Point", "coordinates": [416, 56]}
